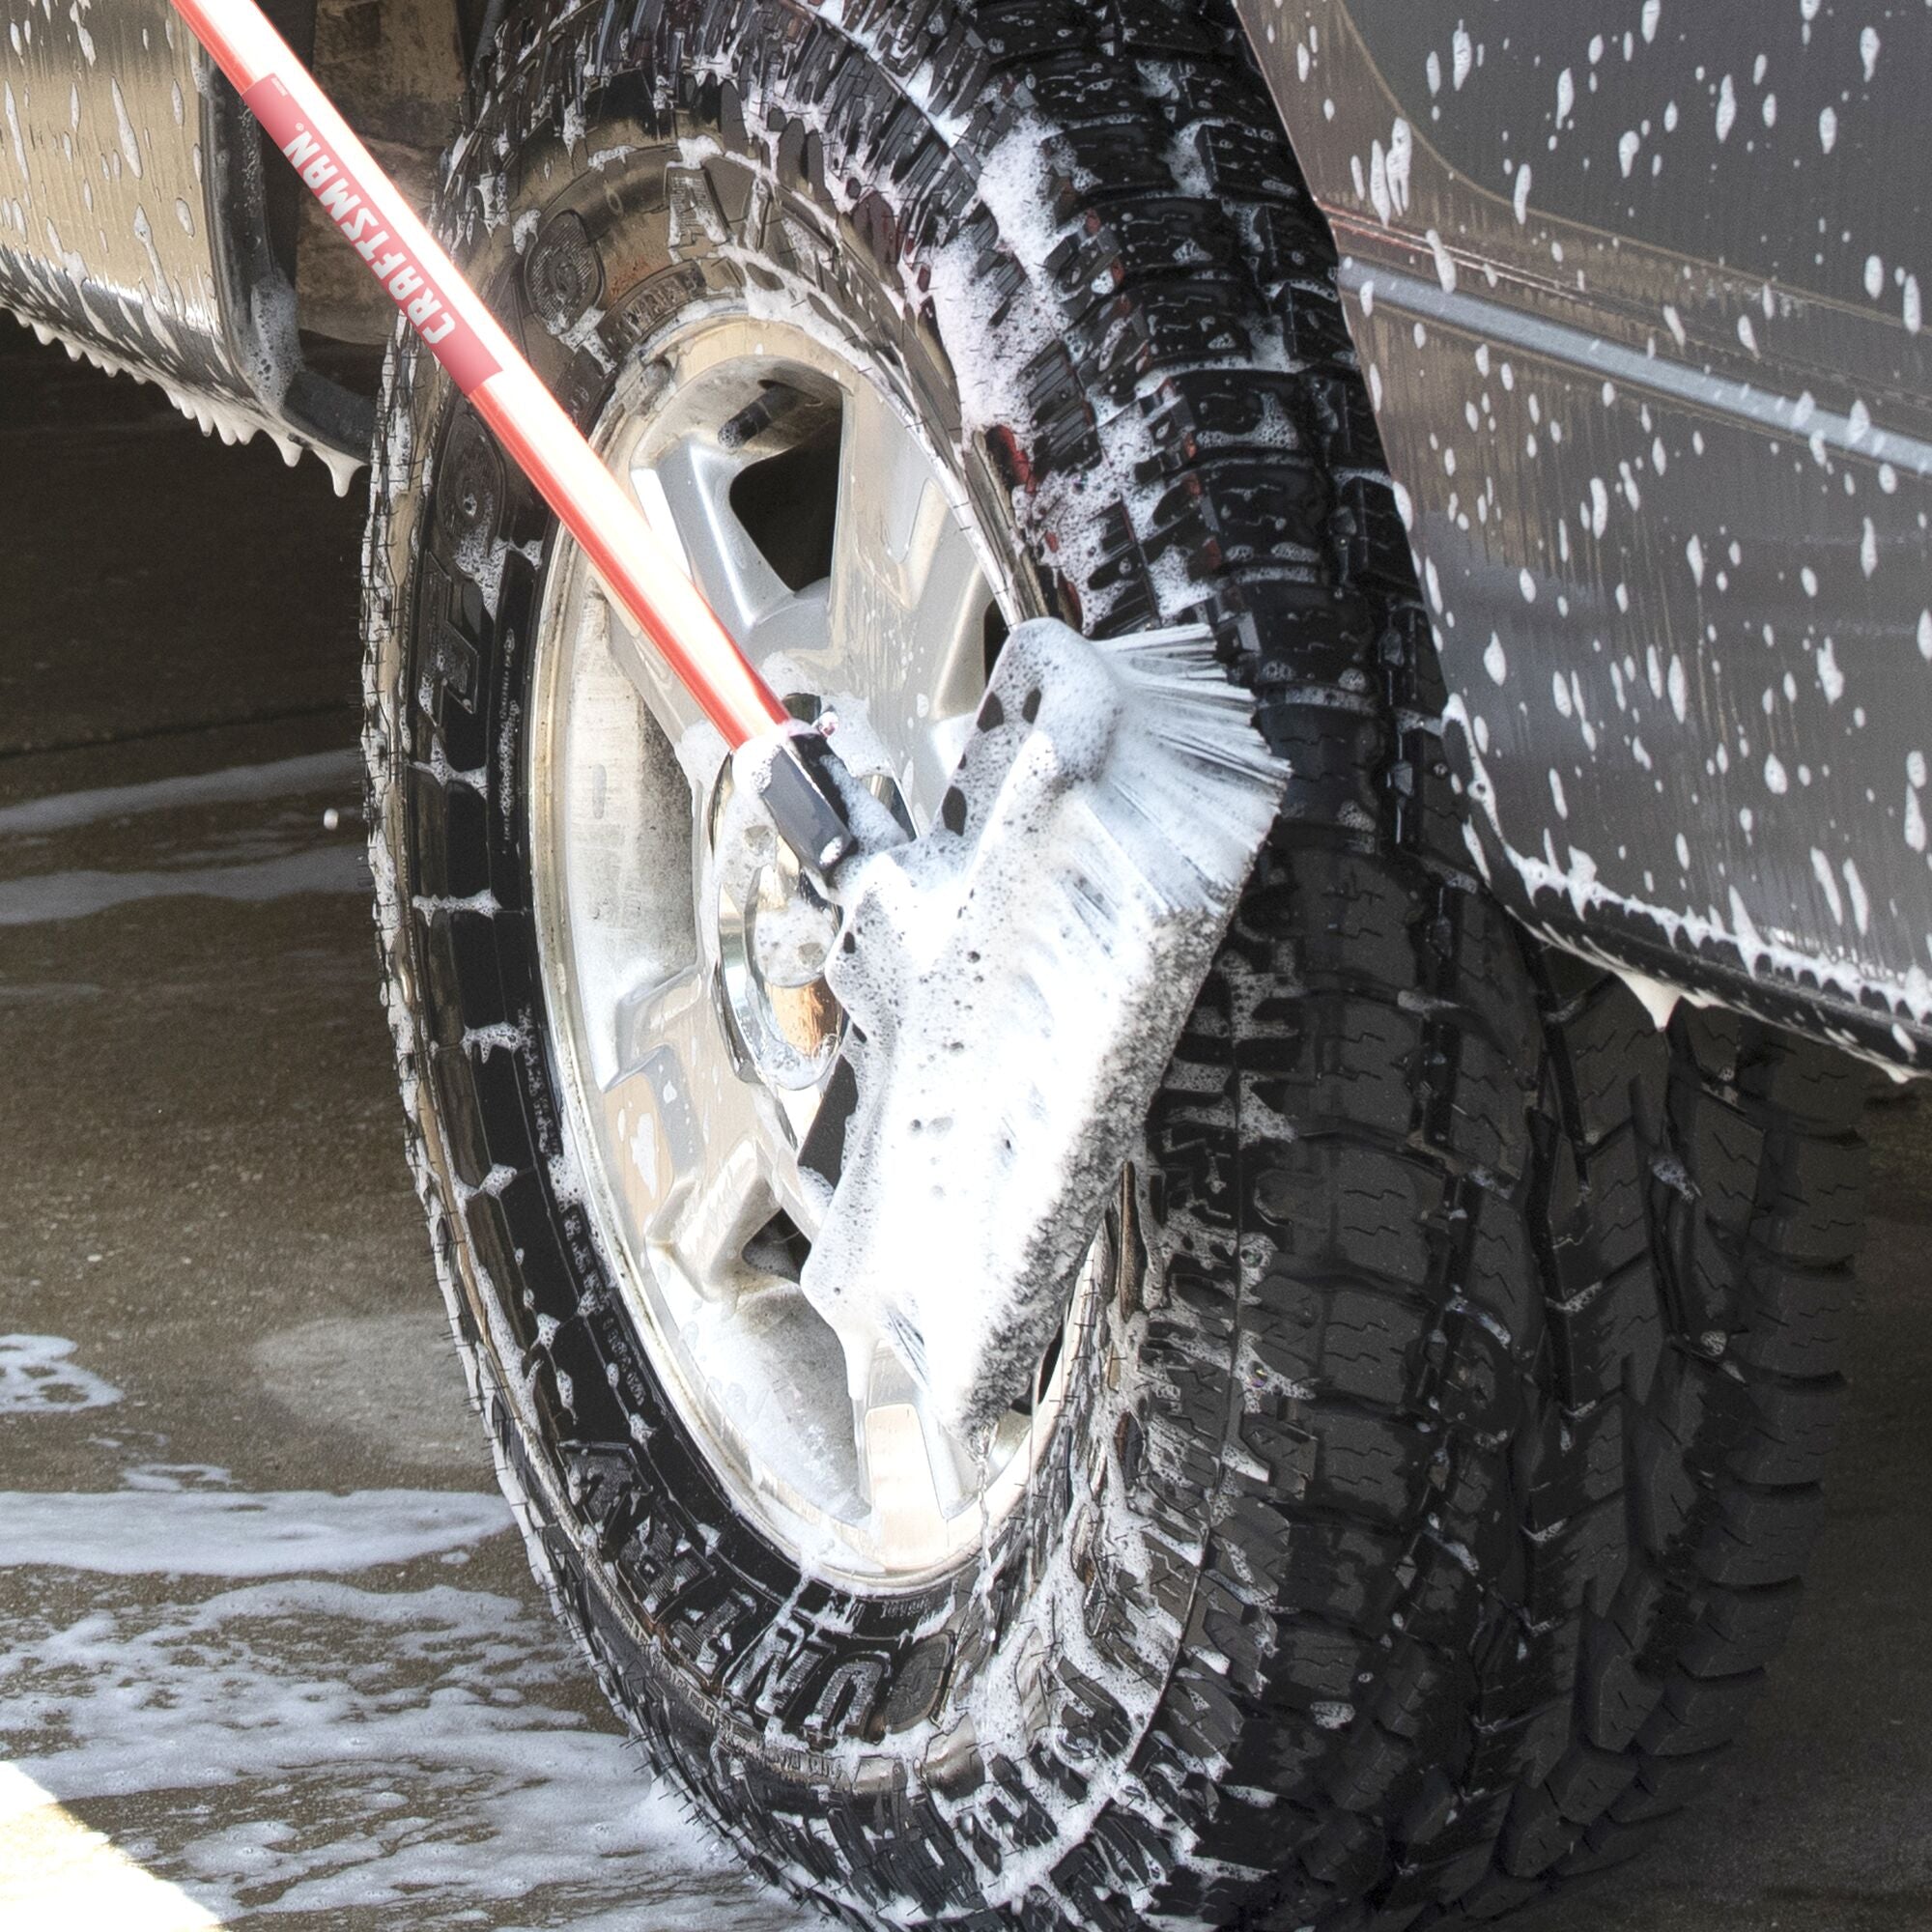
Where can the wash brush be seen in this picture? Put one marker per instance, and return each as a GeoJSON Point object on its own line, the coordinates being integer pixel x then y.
{"type": "Point", "coordinates": [1015, 979]}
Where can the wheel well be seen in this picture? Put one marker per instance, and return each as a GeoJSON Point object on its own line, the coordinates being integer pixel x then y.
{"type": "Point", "coordinates": [397, 70]}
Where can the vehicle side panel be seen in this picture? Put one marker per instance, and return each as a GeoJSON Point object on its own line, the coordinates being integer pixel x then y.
{"type": "Point", "coordinates": [1640, 290]}
{"type": "Point", "coordinates": [131, 220]}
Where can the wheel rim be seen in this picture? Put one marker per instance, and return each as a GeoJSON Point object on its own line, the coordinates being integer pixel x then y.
{"type": "Point", "coordinates": [692, 1034]}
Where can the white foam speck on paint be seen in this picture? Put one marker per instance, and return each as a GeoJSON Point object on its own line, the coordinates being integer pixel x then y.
{"type": "Point", "coordinates": [137, 1532]}
{"type": "Point", "coordinates": [37, 1377]}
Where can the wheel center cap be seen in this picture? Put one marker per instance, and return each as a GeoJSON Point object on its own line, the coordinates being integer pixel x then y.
{"type": "Point", "coordinates": [771, 934]}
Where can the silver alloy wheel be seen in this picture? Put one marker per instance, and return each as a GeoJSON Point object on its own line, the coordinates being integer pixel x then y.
{"type": "Point", "coordinates": [691, 1031]}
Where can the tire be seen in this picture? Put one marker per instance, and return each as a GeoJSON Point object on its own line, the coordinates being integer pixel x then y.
{"type": "Point", "coordinates": [1433, 1478]}
{"type": "Point", "coordinates": [1704, 1199]}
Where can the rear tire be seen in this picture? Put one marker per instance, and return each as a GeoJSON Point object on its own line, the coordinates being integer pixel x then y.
{"type": "Point", "coordinates": [1434, 1470]}
{"type": "Point", "coordinates": [1705, 1197]}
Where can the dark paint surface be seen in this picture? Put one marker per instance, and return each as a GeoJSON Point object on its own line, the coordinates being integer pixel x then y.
{"type": "Point", "coordinates": [1763, 198]}
{"type": "Point", "coordinates": [1662, 417]}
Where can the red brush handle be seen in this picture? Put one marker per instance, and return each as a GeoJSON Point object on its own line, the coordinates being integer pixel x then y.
{"type": "Point", "coordinates": [635, 565]}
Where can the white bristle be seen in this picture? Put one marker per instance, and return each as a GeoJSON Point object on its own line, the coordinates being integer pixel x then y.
{"type": "Point", "coordinates": [1017, 979]}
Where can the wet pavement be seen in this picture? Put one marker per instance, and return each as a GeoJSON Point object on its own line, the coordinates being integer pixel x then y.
{"type": "Point", "coordinates": [265, 1631]}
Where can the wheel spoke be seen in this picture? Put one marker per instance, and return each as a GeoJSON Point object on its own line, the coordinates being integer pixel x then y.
{"type": "Point", "coordinates": [695, 1140]}
{"type": "Point", "coordinates": [685, 496]}
{"type": "Point", "coordinates": [692, 738]}
{"type": "Point", "coordinates": [908, 1476]}
{"type": "Point", "coordinates": [793, 631]}
{"type": "Point", "coordinates": [603, 621]}
{"type": "Point", "coordinates": [908, 599]}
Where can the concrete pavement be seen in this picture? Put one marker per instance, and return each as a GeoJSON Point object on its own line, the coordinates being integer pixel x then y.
{"type": "Point", "coordinates": [264, 1629]}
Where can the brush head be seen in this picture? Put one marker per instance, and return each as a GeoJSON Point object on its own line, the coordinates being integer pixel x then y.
{"type": "Point", "coordinates": [1015, 981]}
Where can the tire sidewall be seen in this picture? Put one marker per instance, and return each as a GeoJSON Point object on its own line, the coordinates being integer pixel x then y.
{"type": "Point", "coordinates": [739, 1665]}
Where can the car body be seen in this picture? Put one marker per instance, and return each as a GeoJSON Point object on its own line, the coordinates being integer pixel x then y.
{"type": "Point", "coordinates": [1639, 293]}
